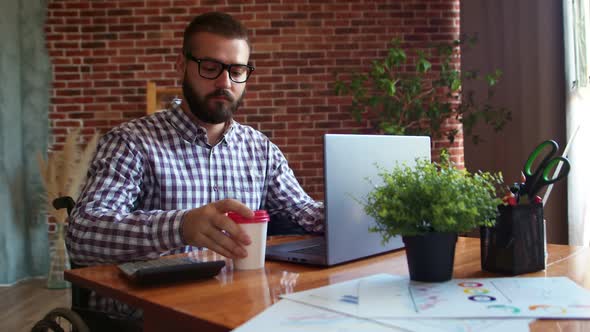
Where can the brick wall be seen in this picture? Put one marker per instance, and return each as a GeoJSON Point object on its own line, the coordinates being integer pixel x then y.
{"type": "Point", "coordinates": [103, 52]}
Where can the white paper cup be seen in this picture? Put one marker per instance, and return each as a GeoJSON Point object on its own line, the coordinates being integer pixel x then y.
{"type": "Point", "coordinates": [256, 229]}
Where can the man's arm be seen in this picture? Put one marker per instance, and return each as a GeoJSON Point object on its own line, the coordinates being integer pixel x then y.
{"type": "Point", "coordinates": [106, 227]}
{"type": "Point", "coordinates": [286, 197]}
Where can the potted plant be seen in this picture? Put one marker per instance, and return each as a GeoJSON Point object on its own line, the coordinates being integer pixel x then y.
{"type": "Point", "coordinates": [428, 205]}
{"type": "Point", "coordinates": [405, 94]}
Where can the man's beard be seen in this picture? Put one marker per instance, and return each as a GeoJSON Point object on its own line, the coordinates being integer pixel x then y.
{"type": "Point", "coordinates": [220, 112]}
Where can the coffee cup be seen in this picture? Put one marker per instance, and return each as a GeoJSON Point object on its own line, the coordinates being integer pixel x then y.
{"type": "Point", "coordinates": [256, 229]}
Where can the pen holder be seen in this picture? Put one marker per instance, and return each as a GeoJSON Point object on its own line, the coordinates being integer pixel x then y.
{"type": "Point", "coordinates": [516, 244]}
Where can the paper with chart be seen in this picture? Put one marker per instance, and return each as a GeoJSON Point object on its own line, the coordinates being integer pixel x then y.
{"type": "Point", "coordinates": [341, 297]}
{"type": "Point", "coordinates": [557, 297]}
{"type": "Point", "coordinates": [388, 296]}
{"type": "Point", "coordinates": [290, 316]}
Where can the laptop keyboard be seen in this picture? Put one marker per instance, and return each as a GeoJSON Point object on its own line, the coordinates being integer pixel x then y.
{"type": "Point", "coordinates": [319, 249]}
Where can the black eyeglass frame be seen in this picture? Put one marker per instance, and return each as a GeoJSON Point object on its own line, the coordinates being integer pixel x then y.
{"type": "Point", "coordinates": [224, 66]}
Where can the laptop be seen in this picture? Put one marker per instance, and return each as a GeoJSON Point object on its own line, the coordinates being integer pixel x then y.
{"type": "Point", "coordinates": [350, 166]}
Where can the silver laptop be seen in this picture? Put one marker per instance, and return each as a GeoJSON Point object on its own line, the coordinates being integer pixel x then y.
{"type": "Point", "coordinates": [349, 166]}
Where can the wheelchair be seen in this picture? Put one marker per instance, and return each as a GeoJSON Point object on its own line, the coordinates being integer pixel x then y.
{"type": "Point", "coordinates": [79, 318]}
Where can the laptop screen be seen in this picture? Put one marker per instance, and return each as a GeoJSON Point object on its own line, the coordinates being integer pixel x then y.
{"type": "Point", "coordinates": [351, 169]}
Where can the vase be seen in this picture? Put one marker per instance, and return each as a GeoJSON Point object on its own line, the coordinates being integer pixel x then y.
{"type": "Point", "coordinates": [431, 256]}
{"type": "Point", "coordinates": [59, 259]}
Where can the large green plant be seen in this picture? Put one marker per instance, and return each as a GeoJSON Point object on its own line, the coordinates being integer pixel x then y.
{"type": "Point", "coordinates": [432, 197]}
{"type": "Point", "coordinates": [410, 98]}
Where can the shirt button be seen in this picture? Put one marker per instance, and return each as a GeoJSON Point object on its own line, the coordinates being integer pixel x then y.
{"type": "Point", "coordinates": [215, 188]}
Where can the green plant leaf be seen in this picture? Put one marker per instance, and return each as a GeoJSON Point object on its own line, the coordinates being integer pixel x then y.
{"type": "Point", "coordinates": [378, 68]}
{"type": "Point", "coordinates": [396, 55]}
{"type": "Point", "coordinates": [491, 80]}
{"type": "Point", "coordinates": [419, 101]}
{"type": "Point", "coordinates": [391, 90]}
{"type": "Point", "coordinates": [455, 84]}
{"type": "Point", "coordinates": [340, 88]}
{"type": "Point", "coordinates": [423, 65]}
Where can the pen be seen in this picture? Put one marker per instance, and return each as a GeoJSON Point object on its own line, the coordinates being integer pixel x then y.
{"type": "Point", "coordinates": [515, 189]}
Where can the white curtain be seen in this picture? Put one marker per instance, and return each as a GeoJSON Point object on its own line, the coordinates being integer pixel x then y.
{"type": "Point", "coordinates": [577, 64]}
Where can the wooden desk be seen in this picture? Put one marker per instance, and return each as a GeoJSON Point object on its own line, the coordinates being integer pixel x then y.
{"type": "Point", "coordinates": [234, 297]}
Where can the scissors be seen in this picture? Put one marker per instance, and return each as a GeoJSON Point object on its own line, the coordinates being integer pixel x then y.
{"type": "Point", "coordinates": [537, 179]}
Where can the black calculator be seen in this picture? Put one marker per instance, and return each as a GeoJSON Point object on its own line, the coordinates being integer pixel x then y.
{"type": "Point", "coordinates": [168, 269]}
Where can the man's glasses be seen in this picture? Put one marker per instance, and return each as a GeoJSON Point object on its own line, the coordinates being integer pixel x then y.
{"type": "Point", "coordinates": [211, 69]}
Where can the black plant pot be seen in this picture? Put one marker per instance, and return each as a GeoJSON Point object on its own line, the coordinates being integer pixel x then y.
{"type": "Point", "coordinates": [431, 256]}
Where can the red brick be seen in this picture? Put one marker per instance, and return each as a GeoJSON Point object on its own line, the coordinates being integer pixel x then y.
{"type": "Point", "coordinates": [102, 5]}
{"type": "Point", "coordinates": [67, 108]}
{"type": "Point", "coordinates": [147, 12]}
{"type": "Point", "coordinates": [183, 3]}
{"type": "Point", "coordinates": [103, 52]}
{"type": "Point", "coordinates": [104, 68]}
{"type": "Point", "coordinates": [121, 28]}
{"type": "Point", "coordinates": [131, 51]}
{"type": "Point", "coordinates": [67, 92]}
{"type": "Point", "coordinates": [96, 92]}
{"type": "Point", "coordinates": [56, 116]}
{"type": "Point", "coordinates": [131, 35]}
{"type": "Point", "coordinates": [134, 19]}
{"type": "Point", "coordinates": [95, 108]}
{"type": "Point", "coordinates": [119, 12]}
{"type": "Point", "coordinates": [174, 10]}
{"type": "Point", "coordinates": [119, 76]}
{"type": "Point", "coordinates": [79, 115]}
{"type": "Point", "coordinates": [108, 99]}
{"type": "Point", "coordinates": [96, 123]}
{"type": "Point", "coordinates": [105, 20]}
{"type": "Point", "coordinates": [130, 4]}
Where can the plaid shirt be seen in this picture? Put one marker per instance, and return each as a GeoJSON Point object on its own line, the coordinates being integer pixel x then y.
{"type": "Point", "coordinates": [147, 173]}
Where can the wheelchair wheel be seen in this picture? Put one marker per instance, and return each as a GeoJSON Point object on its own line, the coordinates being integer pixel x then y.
{"type": "Point", "coordinates": [66, 320]}
{"type": "Point", "coordinates": [47, 326]}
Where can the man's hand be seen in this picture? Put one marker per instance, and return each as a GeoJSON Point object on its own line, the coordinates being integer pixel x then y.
{"type": "Point", "coordinates": [209, 227]}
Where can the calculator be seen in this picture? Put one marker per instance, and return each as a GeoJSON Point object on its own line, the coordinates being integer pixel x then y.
{"type": "Point", "coordinates": [167, 269]}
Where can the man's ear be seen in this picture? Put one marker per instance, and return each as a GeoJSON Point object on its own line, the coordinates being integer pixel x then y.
{"type": "Point", "coordinates": [180, 66]}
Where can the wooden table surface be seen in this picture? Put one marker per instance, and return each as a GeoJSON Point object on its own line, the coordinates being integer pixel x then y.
{"type": "Point", "coordinates": [233, 297]}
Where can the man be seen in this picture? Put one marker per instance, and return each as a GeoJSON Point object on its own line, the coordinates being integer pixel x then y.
{"type": "Point", "coordinates": [163, 183]}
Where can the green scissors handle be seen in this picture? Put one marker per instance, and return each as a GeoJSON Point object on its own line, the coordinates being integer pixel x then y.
{"type": "Point", "coordinates": [542, 175]}
{"type": "Point", "coordinates": [533, 156]}
{"type": "Point", "coordinates": [545, 178]}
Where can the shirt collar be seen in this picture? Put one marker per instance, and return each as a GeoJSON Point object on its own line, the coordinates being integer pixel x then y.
{"type": "Point", "coordinates": [192, 132]}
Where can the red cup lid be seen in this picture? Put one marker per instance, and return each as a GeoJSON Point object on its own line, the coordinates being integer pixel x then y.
{"type": "Point", "coordinates": [259, 216]}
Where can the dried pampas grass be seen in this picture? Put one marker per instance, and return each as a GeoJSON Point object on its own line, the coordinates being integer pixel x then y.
{"type": "Point", "coordinates": [63, 171]}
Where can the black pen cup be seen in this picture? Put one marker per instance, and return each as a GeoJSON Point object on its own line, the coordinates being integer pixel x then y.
{"type": "Point", "coordinates": [516, 244]}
